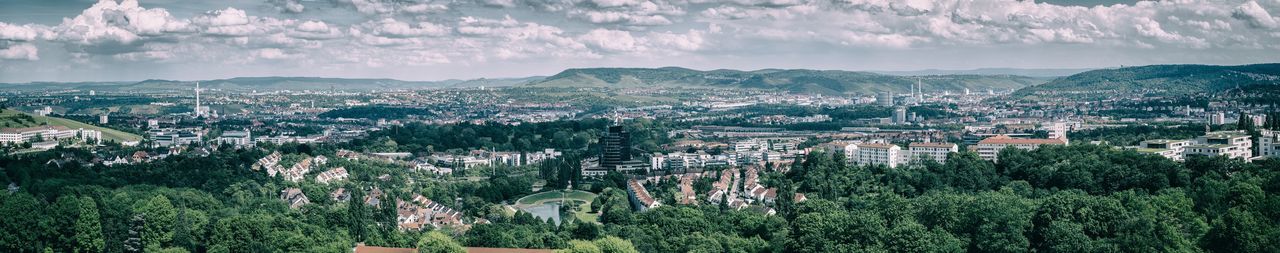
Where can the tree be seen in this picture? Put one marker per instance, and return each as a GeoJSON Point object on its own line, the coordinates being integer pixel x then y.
{"type": "Point", "coordinates": [577, 246]}
{"type": "Point", "coordinates": [133, 243]}
{"type": "Point", "coordinates": [612, 244]}
{"type": "Point", "coordinates": [436, 242]}
{"type": "Point", "coordinates": [88, 227]}
{"type": "Point", "coordinates": [160, 216]}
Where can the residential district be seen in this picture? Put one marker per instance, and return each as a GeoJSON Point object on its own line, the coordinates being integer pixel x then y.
{"type": "Point", "coordinates": [717, 147]}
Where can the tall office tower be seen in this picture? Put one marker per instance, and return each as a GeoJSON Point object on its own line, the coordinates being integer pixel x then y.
{"type": "Point", "coordinates": [900, 115]}
{"type": "Point", "coordinates": [885, 99]}
{"type": "Point", "coordinates": [615, 147]}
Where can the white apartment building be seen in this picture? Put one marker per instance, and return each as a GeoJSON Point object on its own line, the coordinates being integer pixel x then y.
{"type": "Point", "coordinates": [879, 153]}
{"type": "Point", "coordinates": [936, 151]}
{"type": "Point", "coordinates": [1232, 144]}
{"type": "Point", "coordinates": [1269, 144]}
{"type": "Point", "coordinates": [989, 148]}
{"type": "Point", "coordinates": [1172, 149]}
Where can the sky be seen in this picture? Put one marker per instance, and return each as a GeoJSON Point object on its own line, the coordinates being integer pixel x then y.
{"type": "Point", "coordinates": [120, 40]}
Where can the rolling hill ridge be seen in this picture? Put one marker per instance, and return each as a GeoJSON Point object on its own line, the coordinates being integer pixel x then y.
{"type": "Point", "coordinates": [1157, 79]}
{"type": "Point", "coordinates": [832, 82]}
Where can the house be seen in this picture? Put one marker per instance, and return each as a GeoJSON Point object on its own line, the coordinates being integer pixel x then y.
{"type": "Point", "coordinates": [336, 174]}
{"type": "Point", "coordinates": [340, 195]}
{"type": "Point", "coordinates": [294, 197]}
{"type": "Point", "coordinates": [374, 198]}
{"type": "Point", "coordinates": [640, 198]}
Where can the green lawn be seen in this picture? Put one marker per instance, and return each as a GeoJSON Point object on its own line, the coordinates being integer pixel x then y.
{"type": "Point", "coordinates": [584, 197]}
{"type": "Point", "coordinates": [584, 213]}
{"type": "Point", "coordinates": [107, 133]}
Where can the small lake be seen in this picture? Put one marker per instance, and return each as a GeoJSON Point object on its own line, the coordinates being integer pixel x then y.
{"type": "Point", "coordinates": [544, 211]}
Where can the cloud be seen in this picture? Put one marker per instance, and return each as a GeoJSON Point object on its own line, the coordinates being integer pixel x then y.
{"type": "Point", "coordinates": [341, 34]}
{"type": "Point", "coordinates": [1255, 15]}
{"type": "Point", "coordinates": [24, 51]}
{"type": "Point", "coordinates": [123, 23]}
{"type": "Point", "coordinates": [392, 28]}
{"type": "Point", "coordinates": [315, 30]}
{"type": "Point", "coordinates": [288, 6]}
{"type": "Point", "coordinates": [611, 40]}
{"type": "Point", "coordinates": [19, 32]}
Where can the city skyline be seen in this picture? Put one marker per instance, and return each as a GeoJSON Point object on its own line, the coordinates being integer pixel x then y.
{"type": "Point", "coordinates": [437, 40]}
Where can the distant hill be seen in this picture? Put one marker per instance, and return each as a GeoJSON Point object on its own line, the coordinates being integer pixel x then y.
{"type": "Point", "coordinates": [793, 80]}
{"type": "Point", "coordinates": [989, 71]}
{"type": "Point", "coordinates": [15, 119]}
{"type": "Point", "coordinates": [270, 83]}
{"type": "Point", "coordinates": [1159, 79]}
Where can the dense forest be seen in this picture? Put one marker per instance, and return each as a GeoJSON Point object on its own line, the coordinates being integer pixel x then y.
{"type": "Point", "coordinates": [1078, 198]}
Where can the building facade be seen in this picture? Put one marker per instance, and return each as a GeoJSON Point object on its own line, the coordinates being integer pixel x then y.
{"type": "Point", "coordinates": [989, 148]}
{"type": "Point", "coordinates": [936, 151]}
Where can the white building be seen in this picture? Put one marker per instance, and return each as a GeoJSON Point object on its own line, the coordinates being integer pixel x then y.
{"type": "Point", "coordinates": [44, 111]}
{"type": "Point", "coordinates": [332, 175]}
{"type": "Point", "coordinates": [879, 153]}
{"type": "Point", "coordinates": [1172, 149]}
{"type": "Point", "coordinates": [1269, 144]}
{"type": "Point", "coordinates": [46, 133]}
{"type": "Point", "coordinates": [236, 138]}
{"type": "Point", "coordinates": [900, 115]}
{"type": "Point", "coordinates": [1057, 130]}
{"type": "Point", "coordinates": [1232, 144]}
{"type": "Point", "coordinates": [1217, 118]}
{"type": "Point", "coordinates": [936, 151]}
{"type": "Point", "coordinates": [989, 148]}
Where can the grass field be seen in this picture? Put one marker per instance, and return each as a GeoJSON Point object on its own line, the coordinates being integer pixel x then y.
{"type": "Point", "coordinates": [544, 197]}
{"type": "Point", "coordinates": [582, 197]}
{"type": "Point", "coordinates": [7, 116]}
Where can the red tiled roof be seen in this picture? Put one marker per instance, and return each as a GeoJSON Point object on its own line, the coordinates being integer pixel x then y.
{"type": "Point", "coordinates": [373, 249]}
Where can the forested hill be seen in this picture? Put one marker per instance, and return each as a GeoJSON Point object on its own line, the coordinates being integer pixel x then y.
{"type": "Point", "coordinates": [793, 80]}
{"type": "Point", "coordinates": [1158, 79]}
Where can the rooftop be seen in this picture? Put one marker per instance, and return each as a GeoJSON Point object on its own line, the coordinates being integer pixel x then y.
{"type": "Point", "coordinates": [932, 144]}
{"type": "Point", "coordinates": [1005, 139]}
{"type": "Point", "coordinates": [1163, 141]}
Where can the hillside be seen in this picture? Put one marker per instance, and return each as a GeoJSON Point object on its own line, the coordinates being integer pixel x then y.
{"type": "Point", "coordinates": [15, 119]}
{"type": "Point", "coordinates": [989, 71]}
{"type": "Point", "coordinates": [1158, 79]}
{"type": "Point", "coordinates": [793, 80]}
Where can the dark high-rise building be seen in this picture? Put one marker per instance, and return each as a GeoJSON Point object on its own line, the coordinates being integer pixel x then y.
{"type": "Point", "coordinates": [615, 147]}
